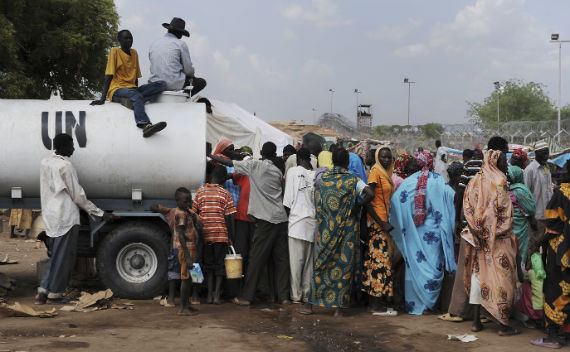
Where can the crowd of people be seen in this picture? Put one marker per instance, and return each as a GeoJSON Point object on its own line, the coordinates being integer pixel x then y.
{"type": "Point", "coordinates": [334, 229]}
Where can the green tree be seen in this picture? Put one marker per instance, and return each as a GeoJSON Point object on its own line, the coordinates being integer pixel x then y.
{"type": "Point", "coordinates": [54, 44]}
{"type": "Point", "coordinates": [518, 102]}
{"type": "Point", "coordinates": [432, 130]}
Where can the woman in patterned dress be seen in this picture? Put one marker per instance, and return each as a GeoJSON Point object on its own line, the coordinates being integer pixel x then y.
{"type": "Point", "coordinates": [336, 261]}
{"type": "Point", "coordinates": [557, 266]}
{"type": "Point", "coordinates": [377, 268]}
{"type": "Point", "coordinates": [423, 216]}
{"type": "Point", "coordinates": [490, 255]}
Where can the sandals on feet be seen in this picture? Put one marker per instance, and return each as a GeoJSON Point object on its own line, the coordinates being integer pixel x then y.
{"type": "Point", "coordinates": [304, 311]}
{"type": "Point", "coordinates": [164, 302]}
{"type": "Point", "coordinates": [449, 317]}
{"type": "Point", "coordinates": [240, 302]}
{"type": "Point", "coordinates": [541, 343]}
{"type": "Point", "coordinates": [390, 312]}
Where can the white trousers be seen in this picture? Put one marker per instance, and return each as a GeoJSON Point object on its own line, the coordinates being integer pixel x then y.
{"type": "Point", "coordinates": [301, 263]}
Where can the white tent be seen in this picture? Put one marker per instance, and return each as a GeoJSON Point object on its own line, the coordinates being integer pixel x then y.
{"type": "Point", "coordinates": [229, 120]}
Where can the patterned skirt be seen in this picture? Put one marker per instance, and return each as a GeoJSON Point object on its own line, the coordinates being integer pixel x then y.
{"type": "Point", "coordinates": [377, 268]}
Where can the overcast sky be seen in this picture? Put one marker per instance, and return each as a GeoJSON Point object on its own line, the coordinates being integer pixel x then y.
{"type": "Point", "coordinates": [279, 58]}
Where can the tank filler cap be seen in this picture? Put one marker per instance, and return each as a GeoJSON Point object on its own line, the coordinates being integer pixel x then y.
{"type": "Point", "coordinates": [136, 194]}
{"type": "Point", "coordinates": [55, 95]}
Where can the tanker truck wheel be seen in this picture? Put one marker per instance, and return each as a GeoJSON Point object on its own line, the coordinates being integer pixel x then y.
{"type": "Point", "coordinates": [132, 260]}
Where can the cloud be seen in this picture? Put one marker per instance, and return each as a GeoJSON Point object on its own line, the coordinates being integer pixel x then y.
{"type": "Point", "coordinates": [220, 60]}
{"type": "Point", "coordinates": [290, 35]}
{"type": "Point", "coordinates": [238, 50]}
{"type": "Point", "coordinates": [395, 33]}
{"type": "Point", "coordinates": [198, 45]}
{"type": "Point", "coordinates": [412, 50]}
{"type": "Point", "coordinates": [324, 13]}
{"type": "Point", "coordinates": [500, 29]}
{"type": "Point", "coordinates": [500, 25]}
{"type": "Point", "coordinates": [262, 67]}
{"type": "Point", "coordinates": [313, 67]}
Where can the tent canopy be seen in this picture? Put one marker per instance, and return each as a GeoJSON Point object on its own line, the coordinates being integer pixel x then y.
{"type": "Point", "coordinates": [228, 120]}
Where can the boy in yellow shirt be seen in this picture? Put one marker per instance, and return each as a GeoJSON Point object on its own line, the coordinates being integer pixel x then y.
{"type": "Point", "coordinates": [121, 81]}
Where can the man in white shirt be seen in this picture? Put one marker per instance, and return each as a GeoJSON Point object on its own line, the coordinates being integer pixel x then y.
{"type": "Point", "coordinates": [299, 201]}
{"type": "Point", "coordinates": [170, 59]}
{"type": "Point", "coordinates": [440, 161]}
{"type": "Point", "coordinates": [61, 197]}
{"type": "Point", "coordinates": [538, 179]}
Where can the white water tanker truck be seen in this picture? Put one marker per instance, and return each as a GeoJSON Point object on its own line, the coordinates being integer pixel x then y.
{"type": "Point", "coordinates": [121, 172]}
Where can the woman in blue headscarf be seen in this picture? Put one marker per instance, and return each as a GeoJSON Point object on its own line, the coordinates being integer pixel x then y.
{"type": "Point", "coordinates": [423, 216]}
{"type": "Point", "coordinates": [524, 208]}
{"type": "Point", "coordinates": [356, 167]}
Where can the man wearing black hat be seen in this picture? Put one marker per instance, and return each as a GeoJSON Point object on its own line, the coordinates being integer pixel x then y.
{"type": "Point", "coordinates": [170, 59]}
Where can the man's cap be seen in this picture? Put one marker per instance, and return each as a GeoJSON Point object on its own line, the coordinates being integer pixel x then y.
{"type": "Point", "coordinates": [177, 24]}
{"type": "Point", "coordinates": [540, 145]}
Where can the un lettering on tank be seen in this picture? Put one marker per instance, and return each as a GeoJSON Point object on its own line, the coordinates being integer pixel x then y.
{"type": "Point", "coordinates": [65, 122]}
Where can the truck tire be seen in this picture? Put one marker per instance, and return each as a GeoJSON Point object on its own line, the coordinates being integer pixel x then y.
{"type": "Point", "coordinates": [132, 260]}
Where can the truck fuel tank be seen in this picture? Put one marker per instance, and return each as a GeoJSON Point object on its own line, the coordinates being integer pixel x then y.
{"type": "Point", "coordinates": [111, 156]}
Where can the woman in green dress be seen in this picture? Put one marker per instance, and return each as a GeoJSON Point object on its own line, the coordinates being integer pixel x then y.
{"type": "Point", "coordinates": [336, 263]}
{"type": "Point", "coordinates": [524, 209]}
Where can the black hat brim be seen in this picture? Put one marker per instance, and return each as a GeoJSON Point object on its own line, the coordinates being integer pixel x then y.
{"type": "Point", "coordinates": [184, 32]}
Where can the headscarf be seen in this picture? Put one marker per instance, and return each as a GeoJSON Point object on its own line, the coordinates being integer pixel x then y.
{"type": "Point", "coordinates": [425, 161]}
{"type": "Point", "coordinates": [520, 154]}
{"type": "Point", "coordinates": [386, 173]}
{"type": "Point", "coordinates": [356, 167]}
{"type": "Point", "coordinates": [487, 188]}
{"type": "Point", "coordinates": [325, 159]}
{"type": "Point", "coordinates": [222, 145]}
{"type": "Point", "coordinates": [400, 165]}
{"type": "Point", "coordinates": [516, 174]}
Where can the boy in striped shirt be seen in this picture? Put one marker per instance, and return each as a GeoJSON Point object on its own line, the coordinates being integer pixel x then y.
{"type": "Point", "coordinates": [215, 207]}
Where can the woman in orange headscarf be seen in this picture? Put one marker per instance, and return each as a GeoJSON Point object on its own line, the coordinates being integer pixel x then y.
{"type": "Point", "coordinates": [490, 256]}
{"type": "Point", "coordinates": [377, 268]}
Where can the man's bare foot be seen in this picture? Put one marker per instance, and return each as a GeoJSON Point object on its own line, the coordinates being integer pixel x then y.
{"type": "Point", "coordinates": [508, 331]}
{"type": "Point", "coordinates": [187, 311]}
{"type": "Point", "coordinates": [476, 327]}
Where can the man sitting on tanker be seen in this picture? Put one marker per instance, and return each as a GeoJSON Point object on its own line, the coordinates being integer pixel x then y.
{"type": "Point", "coordinates": [61, 198]}
{"type": "Point", "coordinates": [170, 59]}
{"type": "Point", "coordinates": [121, 83]}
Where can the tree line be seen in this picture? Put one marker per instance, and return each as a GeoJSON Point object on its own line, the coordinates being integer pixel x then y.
{"type": "Point", "coordinates": [55, 44]}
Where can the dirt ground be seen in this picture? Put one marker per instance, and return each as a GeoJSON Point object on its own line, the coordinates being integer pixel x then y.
{"type": "Point", "coordinates": [151, 327]}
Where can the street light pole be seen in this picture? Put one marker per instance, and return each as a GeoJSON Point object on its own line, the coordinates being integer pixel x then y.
{"type": "Point", "coordinates": [356, 92]}
{"type": "Point", "coordinates": [406, 80]}
{"type": "Point", "coordinates": [498, 89]}
{"type": "Point", "coordinates": [554, 38]}
{"type": "Point", "coordinates": [314, 114]}
{"type": "Point", "coordinates": [332, 93]}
